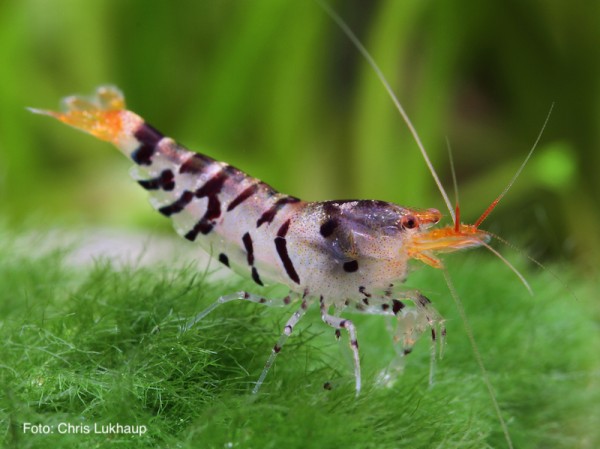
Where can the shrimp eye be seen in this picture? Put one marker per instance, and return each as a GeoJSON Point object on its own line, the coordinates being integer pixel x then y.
{"type": "Point", "coordinates": [409, 222]}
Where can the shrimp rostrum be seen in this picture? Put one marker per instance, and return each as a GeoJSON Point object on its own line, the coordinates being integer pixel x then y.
{"type": "Point", "coordinates": [341, 255]}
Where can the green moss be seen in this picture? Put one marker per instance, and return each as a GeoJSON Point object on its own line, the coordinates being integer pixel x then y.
{"type": "Point", "coordinates": [100, 345]}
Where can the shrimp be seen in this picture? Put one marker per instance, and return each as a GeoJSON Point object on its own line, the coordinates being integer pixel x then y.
{"type": "Point", "coordinates": [345, 255]}
{"type": "Point", "coordinates": [348, 254]}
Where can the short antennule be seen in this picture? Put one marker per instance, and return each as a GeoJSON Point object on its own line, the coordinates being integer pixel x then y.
{"type": "Point", "coordinates": [489, 210]}
{"type": "Point", "coordinates": [457, 217]}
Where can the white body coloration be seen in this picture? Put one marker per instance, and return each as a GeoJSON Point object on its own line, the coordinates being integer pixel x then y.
{"type": "Point", "coordinates": [340, 254]}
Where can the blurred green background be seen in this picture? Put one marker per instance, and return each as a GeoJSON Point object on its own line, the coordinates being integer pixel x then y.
{"type": "Point", "coordinates": [275, 88]}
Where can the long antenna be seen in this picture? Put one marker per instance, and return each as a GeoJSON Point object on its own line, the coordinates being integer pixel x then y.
{"type": "Point", "coordinates": [511, 266]}
{"type": "Point", "coordinates": [492, 206]}
{"type": "Point", "coordinates": [478, 358]}
{"type": "Point", "coordinates": [535, 261]}
{"type": "Point", "coordinates": [363, 51]}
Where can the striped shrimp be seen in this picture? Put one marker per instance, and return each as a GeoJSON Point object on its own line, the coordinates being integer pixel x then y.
{"type": "Point", "coordinates": [348, 255]}
{"type": "Point", "coordinates": [343, 255]}
{"type": "Point", "coordinates": [339, 254]}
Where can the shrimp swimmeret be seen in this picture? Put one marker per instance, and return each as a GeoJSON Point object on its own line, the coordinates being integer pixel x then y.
{"type": "Point", "coordinates": [338, 254]}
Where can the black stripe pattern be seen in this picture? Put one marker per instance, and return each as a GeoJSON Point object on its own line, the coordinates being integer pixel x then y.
{"type": "Point", "coordinates": [166, 181]}
{"type": "Point", "coordinates": [249, 247]}
{"type": "Point", "coordinates": [247, 240]}
{"type": "Point", "coordinates": [281, 246]}
{"type": "Point", "coordinates": [148, 138]}
{"type": "Point", "coordinates": [246, 193]}
{"type": "Point", "coordinates": [256, 277]}
{"type": "Point", "coordinates": [196, 164]}
{"type": "Point", "coordinates": [210, 190]}
{"type": "Point", "coordinates": [180, 204]}
{"type": "Point", "coordinates": [269, 215]}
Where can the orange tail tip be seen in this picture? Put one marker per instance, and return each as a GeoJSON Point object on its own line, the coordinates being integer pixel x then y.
{"type": "Point", "coordinates": [100, 115]}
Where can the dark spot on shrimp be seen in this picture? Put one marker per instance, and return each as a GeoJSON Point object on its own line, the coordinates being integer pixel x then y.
{"type": "Point", "coordinates": [397, 306]}
{"type": "Point", "coordinates": [351, 267]}
{"type": "Point", "coordinates": [143, 155]}
{"type": "Point", "coordinates": [363, 290]}
{"type": "Point", "coordinates": [224, 259]}
{"type": "Point", "coordinates": [423, 300]}
{"type": "Point", "coordinates": [328, 227]}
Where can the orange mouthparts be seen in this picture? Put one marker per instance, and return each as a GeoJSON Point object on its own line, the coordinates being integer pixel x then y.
{"type": "Point", "coordinates": [423, 245]}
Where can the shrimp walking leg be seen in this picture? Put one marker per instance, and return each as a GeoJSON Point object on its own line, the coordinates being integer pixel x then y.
{"type": "Point", "coordinates": [241, 295]}
{"type": "Point", "coordinates": [343, 323]}
{"type": "Point", "coordinates": [410, 321]}
{"type": "Point", "coordinates": [287, 331]}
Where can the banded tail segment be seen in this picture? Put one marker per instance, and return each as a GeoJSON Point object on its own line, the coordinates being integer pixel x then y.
{"type": "Point", "coordinates": [173, 176]}
{"type": "Point", "coordinates": [202, 197]}
{"type": "Point", "coordinates": [183, 185]}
